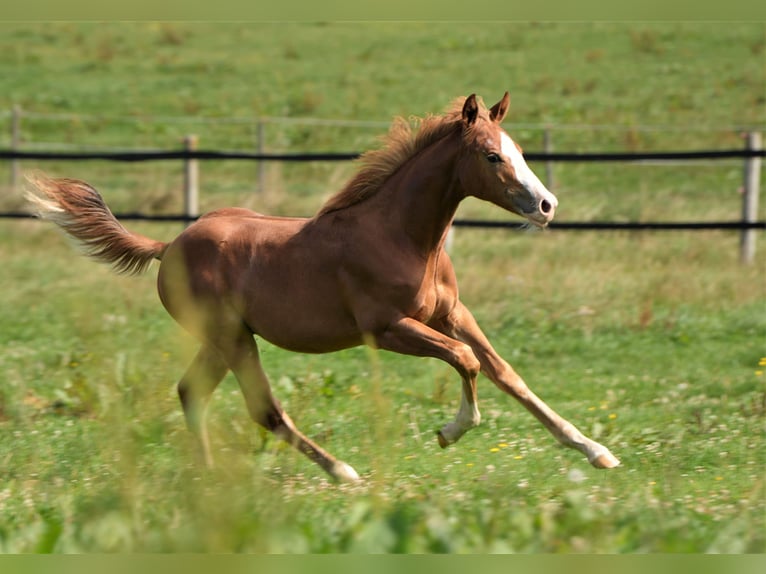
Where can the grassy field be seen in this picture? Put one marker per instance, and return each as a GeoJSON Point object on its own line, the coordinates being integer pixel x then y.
{"type": "Point", "coordinates": [654, 344]}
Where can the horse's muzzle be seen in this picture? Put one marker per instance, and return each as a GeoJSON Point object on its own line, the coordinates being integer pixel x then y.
{"type": "Point", "coordinates": [544, 211]}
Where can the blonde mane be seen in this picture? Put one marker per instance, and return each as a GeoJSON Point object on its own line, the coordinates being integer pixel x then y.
{"type": "Point", "coordinates": [400, 144]}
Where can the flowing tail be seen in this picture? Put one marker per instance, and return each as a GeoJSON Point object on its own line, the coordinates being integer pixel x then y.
{"type": "Point", "coordinates": [80, 211]}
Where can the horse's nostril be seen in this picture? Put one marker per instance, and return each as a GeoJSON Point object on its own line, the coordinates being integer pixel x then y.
{"type": "Point", "coordinates": [545, 206]}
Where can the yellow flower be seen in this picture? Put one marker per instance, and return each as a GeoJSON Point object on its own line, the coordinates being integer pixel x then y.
{"type": "Point", "coordinates": [494, 449]}
{"type": "Point", "coordinates": [762, 362]}
{"type": "Point", "coordinates": [518, 457]}
{"type": "Point", "coordinates": [613, 416]}
{"type": "Point", "coordinates": [502, 445]}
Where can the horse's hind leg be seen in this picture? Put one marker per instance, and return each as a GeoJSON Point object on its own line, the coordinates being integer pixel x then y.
{"type": "Point", "coordinates": [194, 389]}
{"type": "Point", "coordinates": [241, 355]}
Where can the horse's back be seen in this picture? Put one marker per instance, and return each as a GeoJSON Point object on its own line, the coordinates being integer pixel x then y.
{"type": "Point", "coordinates": [235, 213]}
{"type": "Point", "coordinates": [223, 228]}
{"type": "Point", "coordinates": [231, 212]}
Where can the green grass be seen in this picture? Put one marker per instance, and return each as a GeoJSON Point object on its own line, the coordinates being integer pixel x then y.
{"type": "Point", "coordinates": [96, 445]}
{"type": "Point", "coordinates": [649, 342]}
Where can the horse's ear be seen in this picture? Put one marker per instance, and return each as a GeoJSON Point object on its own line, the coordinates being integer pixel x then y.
{"type": "Point", "coordinates": [498, 111]}
{"type": "Point", "coordinates": [470, 110]}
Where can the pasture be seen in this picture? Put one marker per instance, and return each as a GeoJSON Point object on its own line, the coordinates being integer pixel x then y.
{"type": "Point", "coordinates": [654, 344]}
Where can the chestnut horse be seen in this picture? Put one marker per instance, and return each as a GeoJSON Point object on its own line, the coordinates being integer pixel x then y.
{"type": "Point", "coordinates": [368, 268]}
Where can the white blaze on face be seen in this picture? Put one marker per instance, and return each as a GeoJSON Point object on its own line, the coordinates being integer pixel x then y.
{"type": "Point", "coordinates": [524, 175]}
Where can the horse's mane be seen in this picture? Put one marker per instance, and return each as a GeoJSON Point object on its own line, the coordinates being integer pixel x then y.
{"type": "Point", "coordinates": [400, 144]}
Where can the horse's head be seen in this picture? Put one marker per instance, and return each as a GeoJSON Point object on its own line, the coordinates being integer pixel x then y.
{"type": "Point", "coordinates": [493, 167]}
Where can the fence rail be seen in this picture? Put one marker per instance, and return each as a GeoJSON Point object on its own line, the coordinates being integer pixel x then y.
{"type": "Point", "coordinates": [485, 224]}
{"type": "Point", "coordinates": [187, 154]}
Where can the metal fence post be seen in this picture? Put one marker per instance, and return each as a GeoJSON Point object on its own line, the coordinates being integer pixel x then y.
{"type": "Point", "coordinates": [750, 197]}
{"type": "Point", "coordinates": [191, 180]}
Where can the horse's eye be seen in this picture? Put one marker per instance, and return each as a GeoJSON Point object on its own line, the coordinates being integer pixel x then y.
{"type": "Point", "coordinates": [494, 158]}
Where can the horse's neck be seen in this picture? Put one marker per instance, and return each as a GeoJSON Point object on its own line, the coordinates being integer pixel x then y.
{"type": "Point", "coordinates": [421, 198]}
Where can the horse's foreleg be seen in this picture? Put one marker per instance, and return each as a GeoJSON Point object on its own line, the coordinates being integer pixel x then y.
{"type": "Point", "coordinates": [194, 389]}
{"type": "Point", "coordinates": [411, 337]}
{"type": "Point", "coordinates": [465, 328]}
{"type": "Point", "coordinates": [243, 358]}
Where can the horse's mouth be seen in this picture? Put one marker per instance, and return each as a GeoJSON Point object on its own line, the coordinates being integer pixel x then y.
{"type": "Point", "coordinates": [536, 219]}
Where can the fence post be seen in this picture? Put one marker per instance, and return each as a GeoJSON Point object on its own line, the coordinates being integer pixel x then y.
{"type": "Point", "coordinates": [548, 148]}
{"type": "Point", "coordinates": [15, 143]}
{"type": "Point", "coordinates": [259, 149]}
{"type": "Point", "coordinates": [191, 180]}
{"type": "Point", "coordinates": [750, 197]}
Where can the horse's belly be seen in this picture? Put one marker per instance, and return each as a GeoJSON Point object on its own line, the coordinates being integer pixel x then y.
{"type": "Point", "coordinates": [306, 335]}
{"type": "Point", "coordinates": [301, 319]}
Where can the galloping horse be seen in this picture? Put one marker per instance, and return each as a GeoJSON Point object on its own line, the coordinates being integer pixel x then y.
{"type": "Point", "coordinates": [368, 268]}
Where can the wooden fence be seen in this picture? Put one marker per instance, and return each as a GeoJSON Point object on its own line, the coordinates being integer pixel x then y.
{"type": "Point", "coordinates": [748, 224]}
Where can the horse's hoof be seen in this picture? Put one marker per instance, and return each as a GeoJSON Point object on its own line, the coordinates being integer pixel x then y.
{"type": "Point", "coordinates": [343, 472]}
{"type": "Point", "coordinates": [443, 442]}
{"type": "Point", "coordinates": [605, 460]}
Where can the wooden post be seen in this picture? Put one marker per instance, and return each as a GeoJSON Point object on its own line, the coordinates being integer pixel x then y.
{"type": "Point", "coordinates": [750, 197]}
{"type": "Point", "coordinates": [548, 148]}
{"type": "Point", "coordinates": [261, 164]}
{"type": "Point", "coordinates": [15, 144]}
{"type": "Point", "coordinates": [191, 180]}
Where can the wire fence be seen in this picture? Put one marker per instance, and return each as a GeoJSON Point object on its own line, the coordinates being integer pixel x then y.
{"type": "Point", "coordinates": [748, 224]}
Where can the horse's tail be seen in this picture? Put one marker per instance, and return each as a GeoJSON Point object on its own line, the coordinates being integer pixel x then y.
{"type": "Point", "coordinates": [80, 211]}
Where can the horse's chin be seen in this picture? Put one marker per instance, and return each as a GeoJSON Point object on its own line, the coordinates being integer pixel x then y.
{"type": "Point", "coordinates": [539, 222]}
{"type": "Point", "coordinates": [532, 218]}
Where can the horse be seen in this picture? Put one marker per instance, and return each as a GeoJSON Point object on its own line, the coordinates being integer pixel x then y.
{"type": "Point", "coordinates": [369, 268]}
